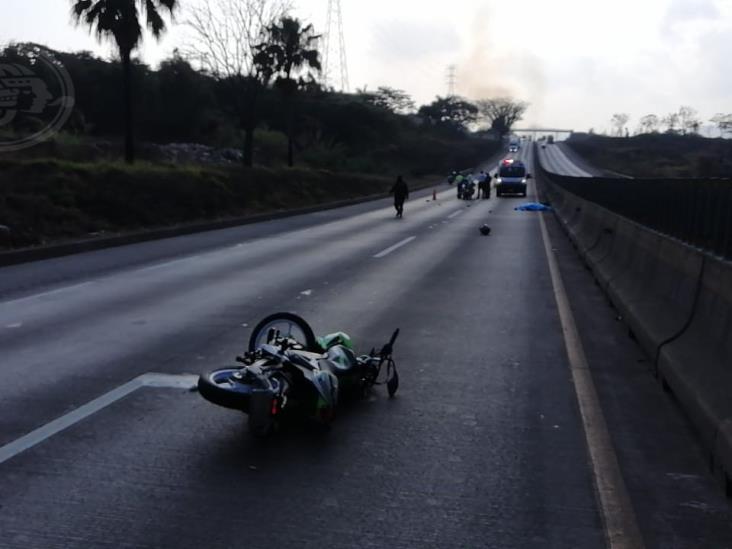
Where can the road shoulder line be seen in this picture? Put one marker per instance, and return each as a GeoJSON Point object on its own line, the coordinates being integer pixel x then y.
{"type": "Point", "coordinates": [616, 509]}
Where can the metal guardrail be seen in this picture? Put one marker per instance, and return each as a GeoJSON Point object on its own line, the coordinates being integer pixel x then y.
{"type": "Point", "coordinates": [695, 211]}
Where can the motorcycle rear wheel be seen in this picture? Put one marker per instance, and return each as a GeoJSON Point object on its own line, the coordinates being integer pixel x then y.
{"type": "Point", "coordinates": [217, 386]}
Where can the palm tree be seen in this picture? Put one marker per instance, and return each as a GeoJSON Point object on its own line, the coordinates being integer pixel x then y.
{"type": "Point", "coordinates": [119, 20]}
{"type": "Point", "coordinates": [291, 48]}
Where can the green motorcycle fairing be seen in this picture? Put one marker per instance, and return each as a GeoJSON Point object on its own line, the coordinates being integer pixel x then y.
{"type": "Point", "coordinates": [337, 338]}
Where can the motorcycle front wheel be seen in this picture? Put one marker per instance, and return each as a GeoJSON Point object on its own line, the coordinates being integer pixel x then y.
{"type": "Point", "coordinates": [284, 325]}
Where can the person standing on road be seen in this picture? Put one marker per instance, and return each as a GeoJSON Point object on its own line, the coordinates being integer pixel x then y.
{"type": "Point", "coordinates": [484, 185]}
{"type": "Point", "coordinates": [480, 179]}
{"type": "Point", "coordinates": [401, 193]}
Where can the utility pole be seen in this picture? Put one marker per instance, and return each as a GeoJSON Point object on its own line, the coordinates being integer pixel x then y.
{"type": "Point", "coordinates": [335, 66]}
{"type": "Point", "coordinates": [451, 77]}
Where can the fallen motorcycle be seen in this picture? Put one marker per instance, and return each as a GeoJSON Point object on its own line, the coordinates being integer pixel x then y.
{"type": "Point", "coordinates": [287, 374]}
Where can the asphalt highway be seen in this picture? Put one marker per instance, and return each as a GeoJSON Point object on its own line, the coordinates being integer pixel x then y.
{"type": "Point", "coordinates": [484, 445]}
{"type": "Point", "coordinates": [557, 160]}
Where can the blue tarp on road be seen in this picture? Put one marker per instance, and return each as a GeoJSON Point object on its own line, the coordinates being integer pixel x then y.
{"type": "Point", "coordinates": [533, 207]}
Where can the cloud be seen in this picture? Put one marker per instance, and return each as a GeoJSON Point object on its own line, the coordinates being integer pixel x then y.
{"type": "Point", "coordinates": [683, 12]}
{"type": "Point", "coordinates": [400, 40]}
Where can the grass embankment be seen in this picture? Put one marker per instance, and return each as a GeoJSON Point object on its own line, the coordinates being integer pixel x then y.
{"type": "Point", "coordinates": [47, 200]}
{"type": "Point", "coordinates": [43, 201]}
{"type": "Point", "coordinates": [657, 155]}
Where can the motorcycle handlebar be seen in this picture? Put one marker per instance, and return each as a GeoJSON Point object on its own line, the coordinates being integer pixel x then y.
{"type": "Point", "coordinates": [387, 349]}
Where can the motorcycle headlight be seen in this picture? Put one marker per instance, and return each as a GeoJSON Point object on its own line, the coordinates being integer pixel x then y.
{"type": "Point", "coordinates": [523, 180]}
{"type": "Point", "coordinates": [498, 180]}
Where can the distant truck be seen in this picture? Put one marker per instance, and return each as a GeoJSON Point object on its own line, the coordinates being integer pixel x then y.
{"type": "Point", "coordinates": [511, 177]}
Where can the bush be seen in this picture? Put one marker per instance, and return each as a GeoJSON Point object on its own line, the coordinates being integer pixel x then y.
{"type": "Point", "coordinates": [43, 200]}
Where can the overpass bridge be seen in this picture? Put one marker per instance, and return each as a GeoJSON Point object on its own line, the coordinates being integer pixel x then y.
{"type": "Point", "coordinates": [536, 132]}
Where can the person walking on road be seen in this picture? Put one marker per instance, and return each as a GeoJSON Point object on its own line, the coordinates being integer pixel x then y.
{"type": "Point", "coordinates": [401, 193]}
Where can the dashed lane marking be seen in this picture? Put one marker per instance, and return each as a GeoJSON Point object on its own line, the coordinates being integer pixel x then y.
{"type": "Point", "coordinates": [46, 294]}
{"type": "Point", "coordinates": [394, 247]}
{"type": "Point", "coordinates": [166, 264]}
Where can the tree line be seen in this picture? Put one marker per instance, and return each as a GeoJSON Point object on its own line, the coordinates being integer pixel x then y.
{"type": "Point", "coordinates": [247, 65]}
{"type": "Point", "coordinates": [684, 121]}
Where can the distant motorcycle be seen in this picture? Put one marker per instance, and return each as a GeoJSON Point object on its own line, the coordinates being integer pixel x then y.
{"type": "Point", "coordinates": [288, 374]}
{"type": "Point", "coordinates": [466, 190]}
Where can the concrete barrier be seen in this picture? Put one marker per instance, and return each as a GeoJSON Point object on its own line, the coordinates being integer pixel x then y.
{"type": "Point", "coordinates": [620, 254]}
{"type": "Point", "coordinates": [6, 240]}
{"type": "Point", "coordinates": [723, 455]}
{"type": "Point", "coordinates": [697, 366]}
{"type": "Point", "coordinates": [656, 290]}
{"type": "Point", "coordinates": [600, 250]}
{"type": "Point", "coordinates": [677, 300]}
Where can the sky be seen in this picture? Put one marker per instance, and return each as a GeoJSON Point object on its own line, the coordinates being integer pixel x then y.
{"type": "Point", "coordinates": [575, 61]}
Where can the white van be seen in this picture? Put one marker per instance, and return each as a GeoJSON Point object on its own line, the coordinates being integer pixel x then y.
{"type": "Point", "coordinates": [511, 177]}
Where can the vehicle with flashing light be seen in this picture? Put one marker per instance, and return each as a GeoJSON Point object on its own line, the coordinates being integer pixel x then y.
{"type": "Point", "coordinates": [511, 177]}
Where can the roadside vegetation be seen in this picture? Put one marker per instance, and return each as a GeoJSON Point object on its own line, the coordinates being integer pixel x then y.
{"type": "Point", "coordinates": [239, 120]}
{"type": "Point", "coordinates": [46, 201]}
{"type": "Point", "coordinates": [656, 155]}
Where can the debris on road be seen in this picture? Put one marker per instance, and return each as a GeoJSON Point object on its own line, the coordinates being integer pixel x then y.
{"type": "Point", "coordinates": [533, 207]}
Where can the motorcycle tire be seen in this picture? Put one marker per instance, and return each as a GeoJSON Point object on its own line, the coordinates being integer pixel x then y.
{"type": "Point", "coordinates": [310, 342]}
{"type": "Point", "coordinates": [214, 387]}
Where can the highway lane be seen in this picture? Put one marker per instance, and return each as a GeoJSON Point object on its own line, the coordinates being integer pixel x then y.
{"type": "Point", "coordinates": [110, 328]}
{"type": "Point", "coordinates": [40, 276]}
{"type": "Point", "coordinates": [555, 160]}
{"type": "Point", "coordinates": [483, 447]}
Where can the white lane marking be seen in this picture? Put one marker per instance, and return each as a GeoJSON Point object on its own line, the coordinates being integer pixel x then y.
{"type": "Point", "coordinates": [616, 509]}
{"type": "Point", "coordinates": [46, 431]}
{"type": "Point", "coordinates": [307, 292]}
{"type": "Point", "coordinates": [395, 247]}
{"type": "Point", "coordinates": [166, 264]}
{"type": "Point", "coordinates": [46, 294]}
{"type": "Point", "coordinates": [14, 325]}
{"type": "Point", "coordinates": [455, 214]}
